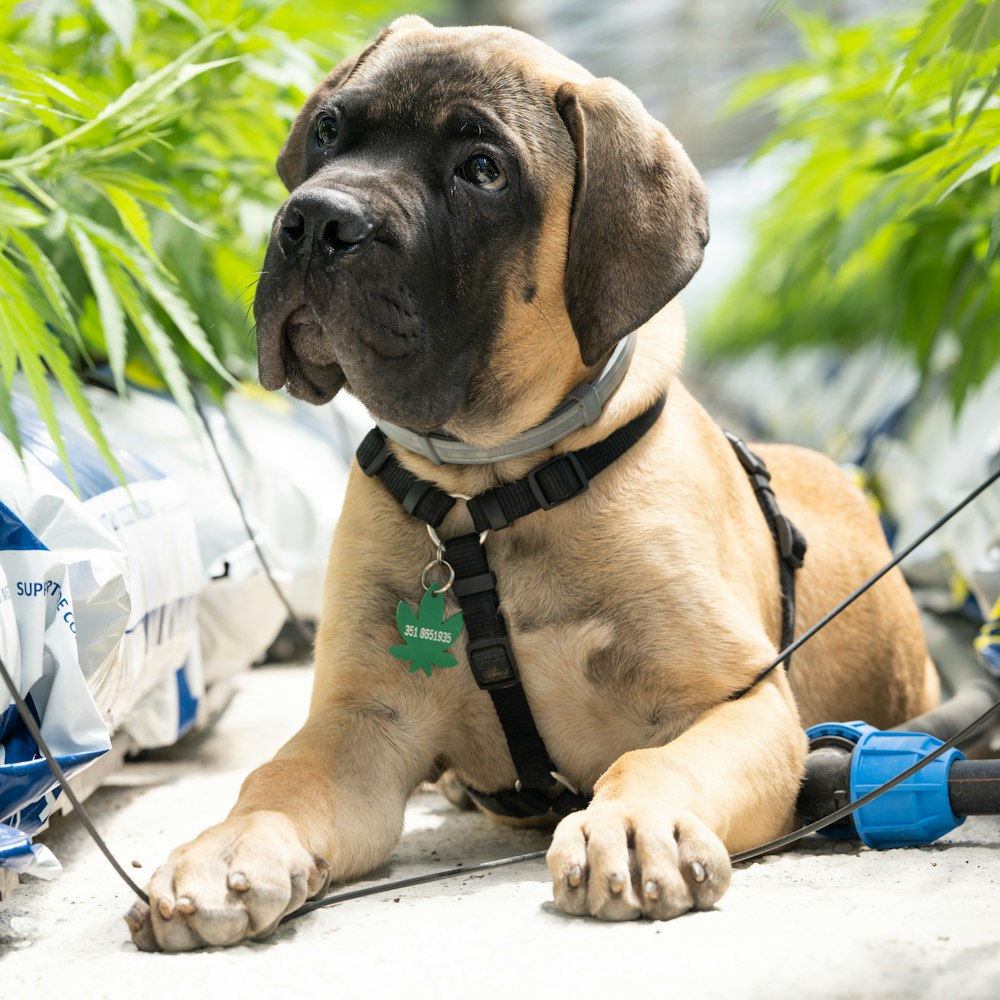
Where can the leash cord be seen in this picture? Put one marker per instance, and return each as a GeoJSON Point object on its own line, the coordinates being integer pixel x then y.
{"type": "Point", "coordinates": [342, 897]}
{"type": "Point", "coordinates": [851, 598]}
{"type": "Point", "coordinates": [36, 734]}
{"type": "Point", "coordinates": [754, 852]}
{"type": "Point", "coordinates": [251, 534]}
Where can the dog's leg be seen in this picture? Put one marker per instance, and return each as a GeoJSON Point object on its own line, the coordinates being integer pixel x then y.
{"type": "Point", "coordinates": [655, 841]}
{"type": "Point", "coordinates": [329, 805]}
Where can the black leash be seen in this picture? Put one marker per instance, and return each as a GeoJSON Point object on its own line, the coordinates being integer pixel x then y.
{"type": "Point", "coordinates": [304, 633]}
{"type": "Point", "coordinates": [28, 718]}
{"type": "Point", "coordinates": [868, 584]}
{"type": "Point", "coordinates": [331, 900]}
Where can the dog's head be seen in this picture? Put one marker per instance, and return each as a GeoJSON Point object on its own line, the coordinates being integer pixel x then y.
{"type": "Point", "coordinates": [473, 222]}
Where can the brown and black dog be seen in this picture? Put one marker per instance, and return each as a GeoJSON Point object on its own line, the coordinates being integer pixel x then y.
{"type": "Point", "coordinates": [474, 223]}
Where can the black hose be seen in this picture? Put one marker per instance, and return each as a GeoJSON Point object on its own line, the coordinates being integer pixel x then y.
{"type": "Point", "coordinates": [973, 696]}
{"type": "Point", "coordinates": [973, 786]}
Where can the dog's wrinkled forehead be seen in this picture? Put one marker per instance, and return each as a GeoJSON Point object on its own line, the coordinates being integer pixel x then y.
{"type": "Point", "coordinates": [413, 82]}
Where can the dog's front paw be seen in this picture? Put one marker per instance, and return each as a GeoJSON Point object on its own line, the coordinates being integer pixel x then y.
{"type": "Point", "coordinates": [236, 881]}
{"type": "Point", "coordinates": [617, 862]}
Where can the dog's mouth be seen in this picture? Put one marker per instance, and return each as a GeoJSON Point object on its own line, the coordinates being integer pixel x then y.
{"type": "Point", "coordinates": [300, 357]}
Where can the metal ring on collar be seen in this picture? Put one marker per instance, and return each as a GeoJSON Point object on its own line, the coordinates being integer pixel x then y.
{"type": "Point", "coordinates": [435, 538]}
{"type": "Point", "coordinates": [446, 586]}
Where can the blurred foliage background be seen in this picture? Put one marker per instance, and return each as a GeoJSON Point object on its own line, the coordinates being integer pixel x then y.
{"type": "Point", "coordinates": [137, 184]}
{"type": "Point", "coordinates": [888, 226]}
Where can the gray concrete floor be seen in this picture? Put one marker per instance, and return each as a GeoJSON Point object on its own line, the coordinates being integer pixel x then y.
{"type": "Point", "coordinates": [828, 920]}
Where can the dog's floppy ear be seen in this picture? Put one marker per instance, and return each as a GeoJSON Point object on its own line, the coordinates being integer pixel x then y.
{"type": "Point", "coordinates": [290, 159]}
{"type": "Point", "coordinates": [639, 222]}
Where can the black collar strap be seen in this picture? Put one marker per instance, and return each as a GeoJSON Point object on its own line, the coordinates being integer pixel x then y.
{"type": "Point", "coordinates": [548, 485]}
{"type": "Point", "coordinates": [540, 788]}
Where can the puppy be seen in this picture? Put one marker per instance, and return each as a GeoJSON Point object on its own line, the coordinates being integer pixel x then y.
{"type": "Point", "coordinates": [474, 225]}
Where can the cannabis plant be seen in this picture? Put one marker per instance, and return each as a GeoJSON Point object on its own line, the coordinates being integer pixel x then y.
{"type": "Point", "coordinates": [137, 141]}
{"type": "Point", "coordinates": [889, 224]}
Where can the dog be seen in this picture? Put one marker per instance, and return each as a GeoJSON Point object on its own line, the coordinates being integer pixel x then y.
{"type": "Point", "coordinates": [474, 225]}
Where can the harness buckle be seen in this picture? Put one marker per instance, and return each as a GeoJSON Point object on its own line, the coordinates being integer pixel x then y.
{"type": "Point", "coordinates": [750, 461]}
{"type": "Point", "coordinates": [492, 671]}
{"type": "Point", "coordinates": [373, 464]}
{"type": "Point", "coordinates": [570, 462]}
{"type": "Point", "coordinates": [417, 491]}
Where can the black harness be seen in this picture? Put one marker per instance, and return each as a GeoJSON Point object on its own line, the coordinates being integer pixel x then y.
{"type": "Point", "coordinates": [540, 788]}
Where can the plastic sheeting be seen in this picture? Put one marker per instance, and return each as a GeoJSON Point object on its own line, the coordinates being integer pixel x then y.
{"type": "Point", "coordinates": [913, 453]}
{"type": "Point", "coordinates": [165, 590]}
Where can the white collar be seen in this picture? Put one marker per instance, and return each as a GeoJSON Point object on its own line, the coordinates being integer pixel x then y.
{"type": "Point", "coordinates": [581, 407]}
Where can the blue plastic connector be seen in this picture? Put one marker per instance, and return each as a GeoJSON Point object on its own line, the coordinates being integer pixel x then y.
{"type": "Point", "coordinates": [914, 813]}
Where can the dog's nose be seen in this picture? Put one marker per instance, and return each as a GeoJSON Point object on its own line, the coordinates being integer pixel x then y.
{"type": "Point", "coordinates": [323, 221]}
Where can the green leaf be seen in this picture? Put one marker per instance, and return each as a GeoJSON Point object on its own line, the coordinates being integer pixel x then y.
{"type": "Point", "coordinates": [981, 165]}
{"type": "Point", "coordinates": [144, 188]}
{"type": "Point", "coordinates": [994, 239]}
{"type": "Point", "coordinates": [24, 331]}
{"type": "Point", "coordinates": [8, 422]}
{"type": "Point", "coordinates": [120, 16]}
{"type": "Point", "coordinates": [158, 343]}
{"type": "Point", "coordinates": [57, 296]}
{"type": "Point", "coordinates": [977, 25]}
{"type": "Point", "coordinates": [133, 218]}
{"type": "Point", "coordinates": [137, 100]}
{"type": "Point", "coordinates": [988, 91]}
{"type": "Point", "coordinates": [175, 306]}
{"type": "Point", "coordinates": [112, 318]}
{"type": "Point", "coordinates": [18, 212]}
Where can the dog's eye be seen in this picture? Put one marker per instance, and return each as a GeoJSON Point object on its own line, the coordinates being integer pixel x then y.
{"type": "Point", "coordinates": [483, 172]}
{"type": "Point", "coordinates": [326, 130]}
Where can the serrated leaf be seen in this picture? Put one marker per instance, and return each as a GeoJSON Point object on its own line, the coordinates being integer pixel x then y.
{"type": "Point", "coordinates": [158, 343]}
{"type": "Point", "coordinates": [112, 317]}
{"type": "Point", "coordinates": [56, 294]}
{"type": "Point", "coordinates": [176, 307]}
{"type": "Point", "coordinates": [22, 330]}
{"type": "Point", "coordinates": [8, 422]}
{"type": "Point", "coordinates": [988, 91]}
{"type": "Point", "coordinates": [144, 188]}
{"type": "Point", "coordinates": [133, 218]}
{"type": "Point", "coordinates": [60, 366]}
{"type": "Point", "coordinates": [137, 99]}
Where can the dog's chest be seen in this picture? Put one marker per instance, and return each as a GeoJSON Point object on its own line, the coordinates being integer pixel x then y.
{"type": "Point", "coordinates": [593, 630]}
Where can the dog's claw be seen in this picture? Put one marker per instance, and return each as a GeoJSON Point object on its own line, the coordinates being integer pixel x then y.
{"type": "Point", "coordinates": [166, 908]}
{"type": "Point", "coordinates": [574, 876]}
{"type": "Point", "coordinates": [238, 882]}
{"type": "Point", "coordinates": [652, 889]}
{"type": "Point", "coordinates": [187, 906]}
{"type": "Point", "coordinates": [140, 927]}
{"type": "Point", "coordinates": [616, 883]}
{"type": "Point", "coordinates": [697, 871]}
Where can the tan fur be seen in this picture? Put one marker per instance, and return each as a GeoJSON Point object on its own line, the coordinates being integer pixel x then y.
{"type": "Point", "coordinates": [635, 611]}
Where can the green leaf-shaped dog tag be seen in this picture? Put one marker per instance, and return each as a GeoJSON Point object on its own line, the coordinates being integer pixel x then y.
{"type": "Point", "coordinates": [427, 635]}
